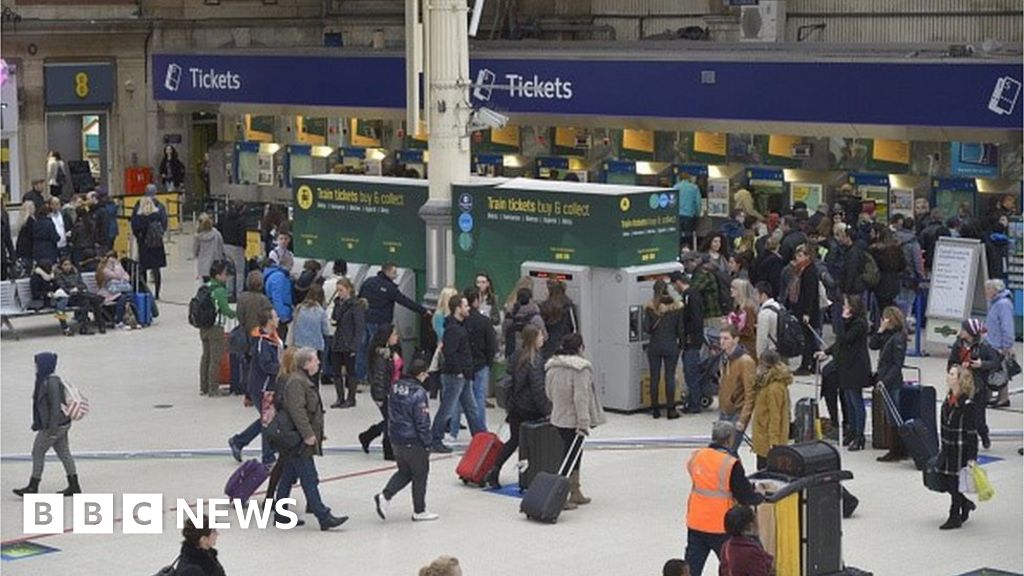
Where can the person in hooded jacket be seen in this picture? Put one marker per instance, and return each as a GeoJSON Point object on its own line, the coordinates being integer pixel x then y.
{"type": "Point", "coordinates": [891, 341]}
{"type": "Point", "coordinates": [1000, 329]}
{"type": "Point", "coordinates": [527, 400]}
{"type": "Point", "coordinates": [384, 368]}
{"type": "Point", "coordinates": [198, 556]}
{"type": "Point", "coordinates": [575, 407]}
{"type": "Point", "coordinates": [521, 312]}
{"type": "Point", "coordinates": [771, 406]}
{"type": "Point", "coordinates": [277, 285]}
{"type": "Point", "coordinates": [409, 430]}
{"type": "Point", "coordinates": [349, 318]}
{"type": "Point", "coordinates": [265, 363]}
{"type": "Point", "coordinates": [51, 426]}
{"type": "Point", "coordinates": [208, 246]}
{"type": "Point", "coordinates": [972, 352]}
{"type": "Point", "coordinates": [663, 319]}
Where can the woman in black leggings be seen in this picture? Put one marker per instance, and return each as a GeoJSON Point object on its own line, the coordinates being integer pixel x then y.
{"type": "Point", "coordinates": [527, 400]}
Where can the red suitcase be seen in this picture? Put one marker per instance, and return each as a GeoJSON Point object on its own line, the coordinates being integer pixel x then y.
{"type": "Point", "coordinates": [479, 458]}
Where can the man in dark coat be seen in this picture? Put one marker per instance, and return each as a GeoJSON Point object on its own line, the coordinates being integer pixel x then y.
{"type": "Point", "coordinates": [381, 294]}
{"type": "Point", "coordinates": [456, 375]}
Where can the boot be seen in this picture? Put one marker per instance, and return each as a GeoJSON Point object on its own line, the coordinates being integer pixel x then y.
{"type": "Point", "coordinates": [353, 387]}
{"type": "Point", "coordinates": [857, 444]}
{"type": "Point", "coordinates": [493, 478]}
{"type": "Point", "coordinates": [954, 521]}
{"type": "Point", "coordinates": [32, 488]}
{"type": "Point", "coordinates": [364, 440]}
{"type": "Point", "coordinates": [339, 390]}
{"type": "Point", "coordinates": [575, 494]}
{"type": "Point", "coordinates": [966, 507]}
{"type": "Point", "coordinates": [73, 487]}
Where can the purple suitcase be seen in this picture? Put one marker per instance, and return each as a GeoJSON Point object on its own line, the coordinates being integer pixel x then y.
{"type": "Point", "coordinates": [246, 479]}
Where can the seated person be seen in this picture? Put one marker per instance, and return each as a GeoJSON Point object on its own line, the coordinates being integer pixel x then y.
{"type": "Point", "coordinates": [115, 286]}
{"type": "Point", "coordinates": [76, 294]}
{"type": "Point", "coordinates": [742, 553]}
{"type": "Point", "coordinates": [43, 289]}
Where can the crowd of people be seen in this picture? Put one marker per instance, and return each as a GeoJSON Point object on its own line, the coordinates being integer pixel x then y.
{"type": "Point", "coordinates": [298, 328]}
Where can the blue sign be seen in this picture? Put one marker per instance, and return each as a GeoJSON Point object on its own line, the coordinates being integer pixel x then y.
{"type": "Point", "coordinates": [409, 156]}
{"type": "Point", "coordinates": [691, 169]}
{"type": "Point", "coordinates": [975, 159]}
{"type": "Point", "coordinates": [79, 85]}
{"type": "Point", "coordinates": [556, 162]}
{"type": "Point", "coordinates": [955, 184]}
{"type": "Point", "coordinates": [976, 94]}
{"type": "Point", "coordinates": [352, 152]}
{"type": "Point", "coordinates": [466, 222]}
{"type": "Point", "coordinates": [765, 174]}
{"type": "Point", "coordinates": [864, 179]}
{"type": "Point", "coordinates": [620, 167]}
{"type": "Point", "coordinates": [489, 160]}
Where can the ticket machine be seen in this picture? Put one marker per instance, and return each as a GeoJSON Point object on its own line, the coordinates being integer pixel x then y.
{"type": "Point", "coordinates": [611, 320]}
{"type": "Point", "coordinates": [406, 321]}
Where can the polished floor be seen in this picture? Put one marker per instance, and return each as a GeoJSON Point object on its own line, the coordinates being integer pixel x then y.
{"type": "Point", "coordinates": [150, 431]}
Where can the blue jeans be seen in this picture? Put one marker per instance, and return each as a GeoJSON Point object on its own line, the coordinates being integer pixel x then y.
{"type": "Point", "coordinates": [694, 385]}
{"type": "Point", "coordinates": [361, 367]}
{"type": "Point", "coordinates": [480, 381]}
{"type": "Point", "coordinates": [455, 390]}
{"type": "Point", "coordinates": [855, 408]}
{"type": "Point", "coordinates": [243, 438]}
{"type": "Point", "coordinates": [303, 468]}
{"type": "Point", "coordinates": [699, 545]}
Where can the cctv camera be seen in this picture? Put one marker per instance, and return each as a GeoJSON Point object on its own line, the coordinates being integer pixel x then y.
{"type": "Point", "coordinates": [490, 118]}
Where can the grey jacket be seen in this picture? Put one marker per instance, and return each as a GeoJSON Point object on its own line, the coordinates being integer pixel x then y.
{"type": "Point", "coordinates": [569, 383]}
{"type": "Point", "coordinates": [46, 406]}
{"type": "Point", "coordinates": [208, 246]}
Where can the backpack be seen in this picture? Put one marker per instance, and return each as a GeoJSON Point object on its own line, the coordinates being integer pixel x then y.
{"type": "Point", "coordinates": [789, 334]}
{"type": "Point", "coordinates": [154, 235]}
{"type": "Point", "coordinates": [870, 275]}
{"type": "Point", "coordinates": [202, 310]}
{"type": "Point", "coordinates": [75, 406]}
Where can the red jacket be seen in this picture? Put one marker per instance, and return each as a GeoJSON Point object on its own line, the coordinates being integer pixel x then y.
{"type": "Point", "coordinates": [743, 556]}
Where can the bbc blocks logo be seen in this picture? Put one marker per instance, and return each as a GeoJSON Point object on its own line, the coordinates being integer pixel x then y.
{"type": "Point", "coordinates": [144, 514]}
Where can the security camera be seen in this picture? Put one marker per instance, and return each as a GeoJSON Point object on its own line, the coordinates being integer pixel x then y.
{"type": "Point", "coordinates": [490, 119]}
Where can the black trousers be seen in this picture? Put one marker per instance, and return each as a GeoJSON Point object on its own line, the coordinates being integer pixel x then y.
{"type": "Point", "coordinates": [413, 466]}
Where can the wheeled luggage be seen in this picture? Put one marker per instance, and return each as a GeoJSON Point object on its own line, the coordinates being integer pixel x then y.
{"type": "Point", "coordinates": [914, 433]}
{"type": "Point", "coordinates": [246, 479]}
{"type": "Point", "coordinates": [805, 418]}
{"type": "Point", "coordinates": [479, 458]}
{"type": "Point", "coordinates": [882, 430]}
{"type": "Point", "coordinates": [547, 494]}
{"type": "Point", "coordinates": [540, 450]}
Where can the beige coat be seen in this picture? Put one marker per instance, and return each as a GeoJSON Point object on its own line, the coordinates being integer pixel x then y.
{"type": "Point", "coordinates": [569, 383]}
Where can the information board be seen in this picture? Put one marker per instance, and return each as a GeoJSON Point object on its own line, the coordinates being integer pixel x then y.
{"type": "Point", "coordinates": [959, 273]}
{"type": "Point", "coordinates": [361, 219]}
{"type": "Point", "coordinates": [497, 228]}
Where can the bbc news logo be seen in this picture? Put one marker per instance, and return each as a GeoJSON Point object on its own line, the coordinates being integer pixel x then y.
{"type": "Point", "coordinates": [144, 513]}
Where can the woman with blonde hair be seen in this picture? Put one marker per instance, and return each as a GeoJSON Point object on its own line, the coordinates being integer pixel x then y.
{"type": "Point", "coordinates": [744, 314]}
{"type": "Point", "coordinates": [208, 246]}
{"type": "Point", "coordinates": [959, 439]}
{"type": "Point", "coordinates": [443, 566]}
{"type": "Point", "coordinates": [148, 226]}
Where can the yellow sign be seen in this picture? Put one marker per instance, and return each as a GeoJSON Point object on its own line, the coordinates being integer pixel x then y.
{"type": "Point", "coordinates": [709, 143]}
{"type": "Point", "coordinates": [782, 145]}
{"type": "Point", "coordinates": [507, 136]}
{"type": "Point", "coordinates": [639, 140]}
{"type": "Point", "coordinates": [624, 204]}
{"type": "Point", "coordinates": [81, 84]}
{"type": "Point", "coordinates": [304, 197]}
{"type": "Point", "coordinates": [565, 137]}
{"type": "Point", "coordinates": [895, 151]}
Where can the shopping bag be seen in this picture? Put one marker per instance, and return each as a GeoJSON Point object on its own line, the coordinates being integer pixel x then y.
{"type": "Point", "coordinates": [981, 483]}
{"type": "Point", "coordinates": [965, 481]}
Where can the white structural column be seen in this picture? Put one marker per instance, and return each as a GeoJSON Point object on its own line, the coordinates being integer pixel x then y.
{"type": "Point", "coordinates": [448, 101]}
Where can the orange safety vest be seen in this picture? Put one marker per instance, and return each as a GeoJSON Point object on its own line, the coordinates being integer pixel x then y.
{"type": "Point", "coordinates": [711, 497]}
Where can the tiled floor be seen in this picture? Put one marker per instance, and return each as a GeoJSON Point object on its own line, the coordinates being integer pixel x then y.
{"type": "Point", "coordinates": [144, 392]}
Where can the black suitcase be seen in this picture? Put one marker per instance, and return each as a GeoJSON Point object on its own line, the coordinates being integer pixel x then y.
{"type": "Point", "coordinates": [919, 441]}
{"type": "Point", "coordinates": [547, 494]}
{"type": "Point", "coordinates": [805, 416]}
{"type": "Point", "coordinates": [540, 450]}
{"type": "Point", "coordinates": [882, 429]}
{"type": "Point", "coordinates": [919, 403]}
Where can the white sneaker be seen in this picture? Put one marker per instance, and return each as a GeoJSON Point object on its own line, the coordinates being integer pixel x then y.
{"type": "Point", "coordinates": [121, 326]}
{"type": "Point", "coordinates": [382, 505]}
{"type": "Point", "coordinates": [449, 439]}
{"type": "Point", "coordinates": [424, 516]}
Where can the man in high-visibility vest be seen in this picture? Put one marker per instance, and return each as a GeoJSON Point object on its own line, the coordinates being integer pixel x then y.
{"type": "Point", "coordinates": [719, 482]}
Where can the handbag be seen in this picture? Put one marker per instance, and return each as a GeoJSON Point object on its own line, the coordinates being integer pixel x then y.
{"type": "Point", "coordinates": [982, 485]}
{"type": "Point", "coordinates": [437, 360]}
{"type": "Point", "coordinates": [1011, 366]}
{"type": "Point", "coordinates": [117, 285]}
{"type": "Point", "coordinates": [998, 377]}
{"type": "Point", "coordinates": [965, 481]}
{"type": "Point", "coordinates": [170, 569]}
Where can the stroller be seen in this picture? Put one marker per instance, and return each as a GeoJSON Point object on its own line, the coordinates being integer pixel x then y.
{"type": "Point", "coordinates": [710, 366]}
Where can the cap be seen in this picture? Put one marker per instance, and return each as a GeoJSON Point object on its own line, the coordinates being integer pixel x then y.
{"type": "Point", "coordinates": [679, 277]}
{"type": "Point", "coordinates": [150, 189]}
{"type": "Point", "coordinates": [973, 326]}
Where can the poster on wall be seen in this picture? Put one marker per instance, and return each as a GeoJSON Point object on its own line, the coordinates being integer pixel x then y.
{"type": "Point", "coordinates": [974, 159]}
{"type": "Point", "coordinates": [265, 168]}
{"type": "Point", "coordinates": [954, 196]}
{"type": "Point", "coordinates": [808, 193]}
{"type": "Point", "coordinates": [718, 197]}
{"type": "Point", "coordinates": [360, 218]}
{"type": "Point", "coordinates": [902, 202]}
{"type": "Point", "coordinates": [497, 228]}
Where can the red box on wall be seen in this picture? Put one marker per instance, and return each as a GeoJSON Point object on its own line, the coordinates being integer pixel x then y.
{"type": "Point", "coordinates": [136, 179]}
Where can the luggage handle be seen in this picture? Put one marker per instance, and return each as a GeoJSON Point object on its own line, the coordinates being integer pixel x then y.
{"type": "Point", "coordinates": [894, 412]}
{"type": "Point", "coordinates": [575, 447]}
{"type": "Point", "coordinates": [915, 369]}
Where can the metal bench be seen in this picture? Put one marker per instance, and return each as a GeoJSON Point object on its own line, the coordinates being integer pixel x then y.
{"type": "Point", "coordinates": [15, 295]}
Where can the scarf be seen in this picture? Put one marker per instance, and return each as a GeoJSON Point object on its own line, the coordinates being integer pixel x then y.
{"type": "Point", "coordinates": [793, 290]}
